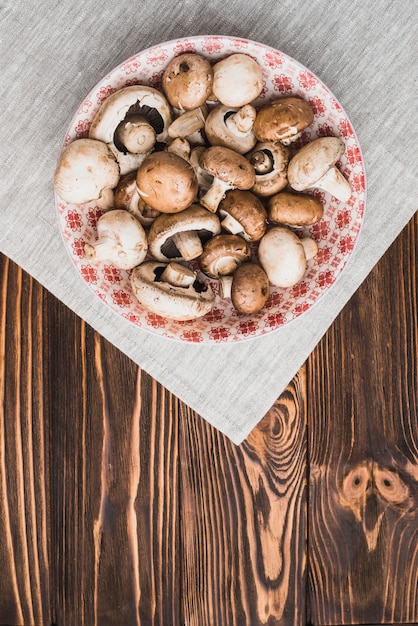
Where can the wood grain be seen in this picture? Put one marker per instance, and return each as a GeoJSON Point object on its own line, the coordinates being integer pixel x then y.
{"type": "Point", "coordinates": [363, 451]}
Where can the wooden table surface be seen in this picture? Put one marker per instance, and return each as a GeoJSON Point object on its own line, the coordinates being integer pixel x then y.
{"type": "Point", "coordinates": [121, 506]}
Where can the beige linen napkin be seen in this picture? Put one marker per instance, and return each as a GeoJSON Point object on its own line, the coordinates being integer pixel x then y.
{"type": "Point", "coordinates": [52, 56]}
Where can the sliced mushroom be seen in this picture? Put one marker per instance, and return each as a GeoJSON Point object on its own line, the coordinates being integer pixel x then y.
{"type": "Point", "coordinates": [230, 170]}
{"type": "Point", "coordinates": [126, 196]}
{"type": "Point", "coordinates": [270, 161]}
{"type": "Point", "coordinates": [121, 240]}
{"type": "Point", "coordinates": [130, 121]}
{"type": "Point", "coordinates": [231, 127]}
{"type": "Point", "coordinates": [282, 256]}
{"type": "Point", "coordinates": [283, 119]}
{"type": "Point", "coordinates": [187, 81]}
{"type": "Point", "coordinates": [294, 209]}
{"type": "Point", "coordinates": [250, 288]}
{"type": "Point", "coordinates": [182, 235]}
{"type": "Point", "coordinates": [223, 254]}
{"type": "Point", "coordinates": [85, 171]}
{"type": "Point", "coordinates": [175, 302]}
{"type": "Point", "coordinates": [242, 213]}
{"type": "Point", "coordinates": [167, 182]}
{"type": "Point", "coordinates": [314, 166]}
{"type": "Point", "coordinates": [237, 80]}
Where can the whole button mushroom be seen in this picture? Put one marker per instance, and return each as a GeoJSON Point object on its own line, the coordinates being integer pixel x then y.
{"type": "Point", "coordinates": [86, 169]}
{"type": "Point", "coordinates": [250, 288]}
{"type": "Point", "coordinates": [283, 119]}
{"type": "Point", "coordinates": [294, 209]}
{"type": "Point", "coordinates": [126, 196]}
{"type": "Point", "coordinates": [223, 254]}
{"type": "Point", "coordinates": [237, 80]}
{"type": "Point", "coordinates": [242, 213]}
{"type": "Point", "coordinates": [230, 170]}
{"type": "Point", "coordinates": [131, 121]}
{"type": "Point", "coordinates": [121, 240]}
{"type": "Point", "coordinates": [182, 235]}
{"type": "Point", "coordinates": [270, 161]}
{"type": "Point", "coordinates": [167, 182]}
{"type": "Point", "coordinates": [231, 127]}
{"type": "Point", "coordinates": [282, 256]}
{"type": "Point", "coordinates": [314, 166]}
{"type": "Point", "coordinates": [152, 287]}
{"type": "Point", "coordinates": [187, 81]}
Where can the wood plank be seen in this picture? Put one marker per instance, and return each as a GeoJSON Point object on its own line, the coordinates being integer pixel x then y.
{"type": "Point", "coordinates": [363, 451]}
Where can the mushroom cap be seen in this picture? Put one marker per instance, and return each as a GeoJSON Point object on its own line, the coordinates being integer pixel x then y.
{"type": "Point", "coordinates": [195, 218]}
{"type": "Point", "coordinates": [248, 210]}
{"type": "Point", "coordinates": [237, 80]}
{"type": "Point", "coordinates": [170, 301]}
{"type": "Point", "coordinates": [223, 254]}
{"type": "Point", "coordinates": [282, 119]}
{"type": "Point", "coordinates": [218, 133]}
{"type": "Point", "coordinates": [229, 166]}
{"type": "Point", "coordinates": [126, 196]}
{"type": "Point", "coordinates": [294, 209]}
{"type": "Point", "coordinates": [282, 256]}
{"type": "Point", "coordinates": [250, 288]}
{"type": "Point", "coordinates": [313, 160]}
{"type": "Point", "coordinates": [274, 179]}
{"type": "Point", "coordinates": [131, 99]}
{"type": "Point", "coordinates": [85, 169]}
{"type": "Point", "coordinates": [187, 81]}
{"type": "Point", "coordinates": [167, 182]}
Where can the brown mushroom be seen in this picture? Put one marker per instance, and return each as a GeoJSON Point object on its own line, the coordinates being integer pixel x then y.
{"type": "Point", "coordinates": [270, 161]}
{"type": "Point", "coordinates": [184, 302]}
{"type": "Point", "coordinates": [230, 170]}
{"type": "Point", "coordinates": [223, 254]}
{"type": "Point", "coordinates": [294, 209]}
{"type": "Point", "coordinates": [182, 235]}
{"type": "Point", "coordinates": [242, 213]}
{"type": "Point", "coordinates": [167, 182]}
{"type": "Point", "coordinates": [187, 81]}
{"type": "Point", "coordinates": [126, 196]}
{"type": "Point", "coordinates": [250, 288]}
{"type": "Point", "coordinates": [283, 119]}
{"type": "Point", "coordinates": [237, 80]}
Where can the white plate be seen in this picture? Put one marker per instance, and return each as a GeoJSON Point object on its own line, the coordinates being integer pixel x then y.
{"type": "Point", "coordinates": [336, 233]}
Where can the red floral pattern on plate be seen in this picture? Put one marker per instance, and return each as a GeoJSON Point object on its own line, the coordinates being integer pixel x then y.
{"type": "Point", "coordinates": [336, 234]}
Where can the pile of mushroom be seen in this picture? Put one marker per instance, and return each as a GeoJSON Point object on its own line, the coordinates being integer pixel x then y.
{"type": "Point", "coordinates": [197, 178]}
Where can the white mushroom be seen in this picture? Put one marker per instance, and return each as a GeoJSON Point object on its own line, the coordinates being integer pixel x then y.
{"type": "Point", "coordinates": [314, 166]}
{"type": "Point", "coordinates": [237, 80]}
{"type": "Point", "coordinates": [130, 121]}
{"type": "Point", "coordinates": [282, 256]}
{"type": "Point", "coordinates": [121, 240]}
{"type": "Point", "coordinates": [182, 303]}
{"type": "Point", "coordinates": [231, 127]}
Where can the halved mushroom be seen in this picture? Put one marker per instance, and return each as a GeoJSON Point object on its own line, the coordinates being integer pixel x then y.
{"type": "Point", "coordinates": [223, 254]}
{"type": "Point", "coordinates": [230, 170]}
{"type": "Point", "coordinates": [187, 81]}
{"type": "Point", "coordinates": [282, 256]}
{"type": "Point", "coordinates": [250, 288]}
{"type": "Point", "coordinates": [231, 127]}
{"type": "Point", "coordinates": [314, 166]}
{"type": "Point", "coordinates": [283, 119]}
{"type": "Point", "coordinates": [126, 196]}
{"type": "Point", "coordinates": [85, 171]}
{"type": "Point", "coordinates": [237, 80]}
{"type": "Point", "coordinates": [182, 235]}
{"type": "Point", "coordinates": [167, 182]}
{"type": "Point", "coordinates": [131, 121]}
{"type": "Point", "coordinates": [270, 161]}
{"type": "Point", "coordinates": [294, 209]}
{"type": "Point", "coordinates": [121, 240]}
{"type": "Point", "coordinates": [242, 213]}
{"type": "Point", "coordinates": [158, 295]}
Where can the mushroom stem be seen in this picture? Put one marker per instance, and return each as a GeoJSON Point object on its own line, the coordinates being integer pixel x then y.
{"type": "Point", "coordinates": [188, 123]}
{"type": "Point", "coordinates": [310, 247]}
{"type": "Point", "coordinates": [335, 183]}
{"type": "Point", "coordinates": [181, 147]}
{"type": "Point", "coordinates": [241, 122]}
{"type": "Point", "coordinates": [226, 265]}
{"type": "Point", "coordinates": [263, 161]}
{"type": "Point", "coordinates": [214, 194]}
{"type": "Point", "coordinates": [188, 244]}
{"type": "Point", "coordinates": [136, 134]}
{"type": "Point", "coordinates": [178, 275]}
{"type": "Point", "coordinates": [225, 286]}
{"type": "Point", "coordinates": [230, 224]}
{"type": "Point", "coordinates": [102, 249]}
